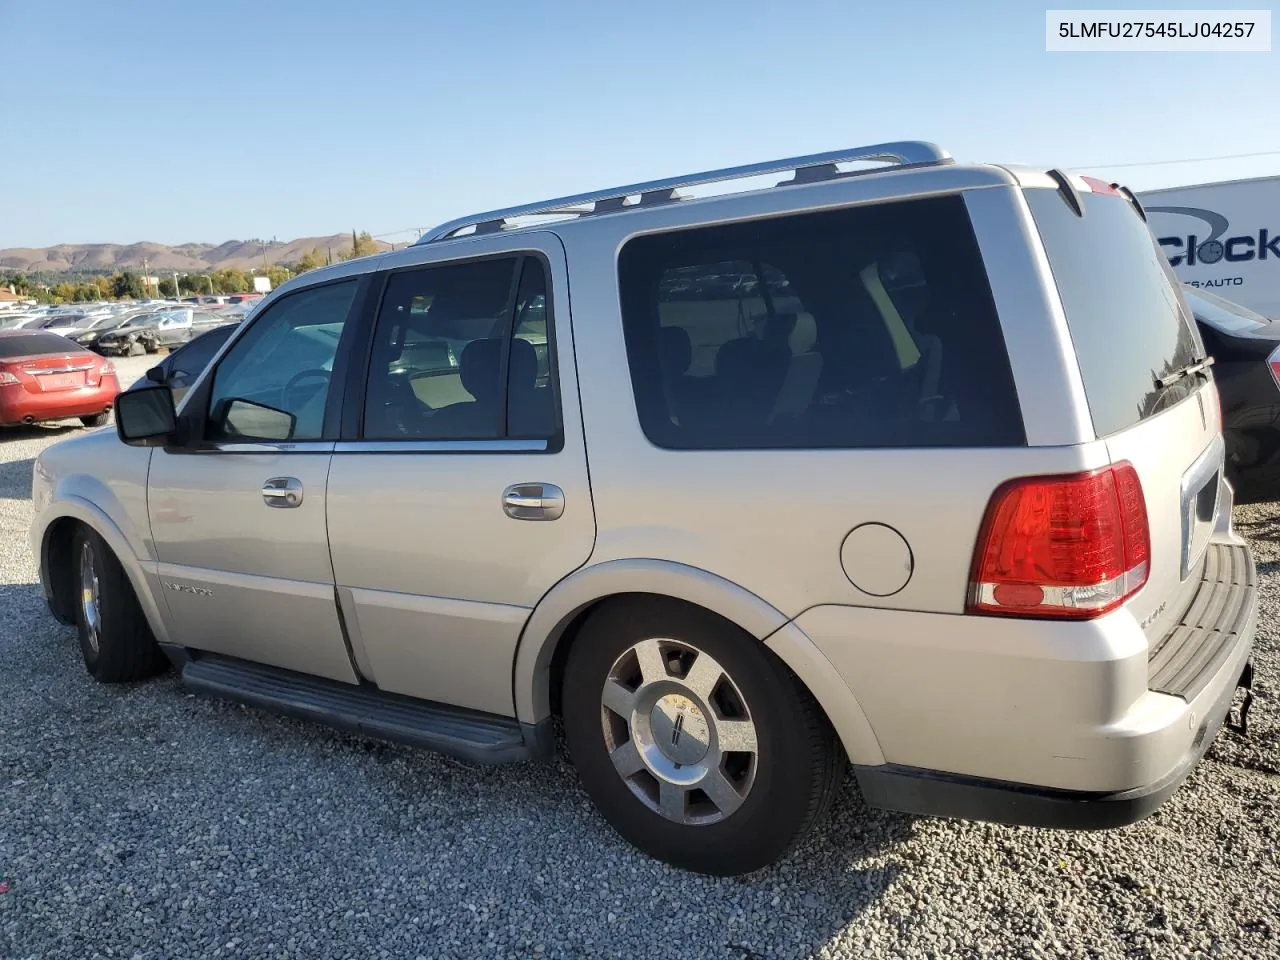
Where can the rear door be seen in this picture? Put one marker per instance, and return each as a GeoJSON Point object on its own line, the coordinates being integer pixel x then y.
{"type": "Point", "coordinates": [459, 494]}
{"type": "Point", "coordinates": [1131, 329]}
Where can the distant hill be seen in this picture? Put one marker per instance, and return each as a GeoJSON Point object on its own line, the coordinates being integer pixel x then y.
{"type": "Point", "coordinates": [186, 257]}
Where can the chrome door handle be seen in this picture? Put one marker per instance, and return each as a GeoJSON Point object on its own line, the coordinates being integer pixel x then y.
{"type": "Point", "coordinates": [533, 501]}
{"type": "Point", "coordinates": [282, 492]}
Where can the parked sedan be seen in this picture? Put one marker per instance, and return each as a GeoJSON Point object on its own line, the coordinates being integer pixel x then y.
{"type": "Point", "coordinates": [1245, 347]}
{"type": "Point", "coordinates": [44, 376]}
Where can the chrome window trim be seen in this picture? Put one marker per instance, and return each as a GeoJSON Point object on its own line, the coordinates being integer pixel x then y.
{"type": "Point", "coordinates": [442, 446]}
{"type": "Point", "coordinates": [268, 446]}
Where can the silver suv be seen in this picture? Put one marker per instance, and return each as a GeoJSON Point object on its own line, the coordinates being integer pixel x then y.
{"type": "Point", "coordinates": [916, 465]}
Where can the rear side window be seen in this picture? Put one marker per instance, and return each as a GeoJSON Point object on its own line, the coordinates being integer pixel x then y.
{"type": "Point", "coordinates": [461, 352]}
{"type": "Point", "coordinates": [1127, 318]}
{"type": "Point", "coordinates": [867, 327]}
{"type": "Point", "coordinates": [36, 344]}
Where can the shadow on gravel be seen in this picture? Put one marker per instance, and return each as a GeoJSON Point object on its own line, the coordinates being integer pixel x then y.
{"type": "Point", "coordinates": [15, 479]}
{"type": "Point", "coordinates": [1267, 528]}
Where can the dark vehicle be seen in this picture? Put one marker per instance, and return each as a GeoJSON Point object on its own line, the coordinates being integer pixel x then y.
{"type": "Point", "coordinates": [146, 334]}
{"type": "Point", "coordinates": [1245, 347]}
{"type": "Point", "coordinates": [44, 376]}
{"type": "Point", "coordinates": [180, 369]}
{"type": "Point", "coordinates": [89, 336]}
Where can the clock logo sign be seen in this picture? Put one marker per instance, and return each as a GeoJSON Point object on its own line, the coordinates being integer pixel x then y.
{"type": "Point", "coordinates": [1211, 249]}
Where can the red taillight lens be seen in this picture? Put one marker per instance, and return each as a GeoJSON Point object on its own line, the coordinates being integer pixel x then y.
{"type": "Point", "coordinates": [1273, 362]}
{"type": "Point", "coordinates": [1074, 546]}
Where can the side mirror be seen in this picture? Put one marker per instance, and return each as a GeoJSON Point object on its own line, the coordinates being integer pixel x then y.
{"type": "Point", "coordinates": [145, 417]}
{"type": "Point", "coordinates": [156, 374]}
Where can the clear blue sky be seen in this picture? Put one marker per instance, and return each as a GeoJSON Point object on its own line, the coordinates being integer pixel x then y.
{"type": "Point", "coordinates": [183, 121]}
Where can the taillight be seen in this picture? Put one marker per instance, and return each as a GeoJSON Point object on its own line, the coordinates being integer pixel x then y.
{"type": "Point", "coordinates": [1273, 363]}
{"type": "Point", "coordinates": [7, 379]}
{"type": "Point", "coordinates": [1063, 547]}
{"type": "Point", "coordinates": [107, 369]}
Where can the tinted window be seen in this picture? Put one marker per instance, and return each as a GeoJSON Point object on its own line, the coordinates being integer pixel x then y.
{"type": "Point", "coordinates": [1127, 319]}
{"type": "Point", "coordinates": [283, 363]}
{"type": "Point", "coordinates": [36, 344]}
{"type": "Point", "coordinates": [188, 362]}
{"type": "Point", "coordinates": [445, 363]}
{"type": "Point", "coordinates": [867, 327]}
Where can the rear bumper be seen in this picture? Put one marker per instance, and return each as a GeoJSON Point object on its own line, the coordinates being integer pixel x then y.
{"type": "Point", "coordinates": [18, 406]}
{"type": "Point", "coordinates": [938, 794]}
{"type": "Point", "coordinates": [1035, 722]}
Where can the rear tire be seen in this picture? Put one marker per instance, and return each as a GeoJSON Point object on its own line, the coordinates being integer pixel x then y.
{"type": "Point", "coordinates": [115, 640]}
{"type": "Point", "coordinates": [693, 739]}
{"type": "Point", "coordinates": [97, 420]}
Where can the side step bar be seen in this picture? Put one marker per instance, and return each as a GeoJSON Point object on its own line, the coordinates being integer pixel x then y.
{"type": "Point", "coordinates": [466, 734]}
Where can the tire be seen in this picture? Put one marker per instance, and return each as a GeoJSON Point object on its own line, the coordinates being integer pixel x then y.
{"type": "Point", "coordinates": [776, 793]}
{"type": "Point", "coordinates": [97, 420]}
{"type": "Point", "coordinates": [150, 347]}
{"type": "Point", "coordinates": [115, 640]}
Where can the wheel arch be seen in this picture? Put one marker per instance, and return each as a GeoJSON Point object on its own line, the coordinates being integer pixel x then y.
{"type": "Point", "coordinates": [68, 515]}
{"type": "Point", "coordinates": [550, 631]}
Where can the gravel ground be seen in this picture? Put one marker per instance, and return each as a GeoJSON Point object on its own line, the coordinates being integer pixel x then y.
{"type": "Point", "coordinates": [143, 822]}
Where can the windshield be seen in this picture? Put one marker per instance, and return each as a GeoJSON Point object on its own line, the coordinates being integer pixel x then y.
{"type": "Point", "coordinates": [1221, 314]}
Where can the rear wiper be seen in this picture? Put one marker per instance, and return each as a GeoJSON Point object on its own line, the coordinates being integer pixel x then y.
{"type": "Point", "coordinates": [1190, 370]}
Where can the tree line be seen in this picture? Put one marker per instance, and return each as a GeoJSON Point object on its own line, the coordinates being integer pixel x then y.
{"type": "Point", "coordinates": [128, 284]}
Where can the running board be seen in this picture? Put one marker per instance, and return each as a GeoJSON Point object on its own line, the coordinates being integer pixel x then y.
{"type": "Point", "coordinates": [466, 734]}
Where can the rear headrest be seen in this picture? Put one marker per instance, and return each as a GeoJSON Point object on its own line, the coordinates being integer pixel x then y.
{"type": "Point", "coordinates": [675, 350]}
{"type": "Point", "coordinates": [523, 372]}
{"type": "Point", "coordinates": [481, 367]}
{"type": "Point", "coordinates": [753, 366]}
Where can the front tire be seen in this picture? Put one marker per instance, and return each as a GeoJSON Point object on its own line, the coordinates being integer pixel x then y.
{"type": "Point", "coordinates": [96, 420]}
{"type": "Point", "coordinates": [115, 640]}
{"type": "Point", "coordinates": [694, 740]}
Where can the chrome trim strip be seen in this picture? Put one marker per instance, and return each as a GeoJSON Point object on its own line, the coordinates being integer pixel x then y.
{"type": "Point", "coordinates": [270, 446]}
{"type": "Point", "coordinates": [441, 446]}
{"type": "Point", "coordinates": [51, 370]}
{"type": "Point", "coordinates": [1196, 534]}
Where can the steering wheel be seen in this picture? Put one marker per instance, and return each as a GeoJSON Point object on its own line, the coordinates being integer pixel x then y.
{"type": "Point", "coordinates": [297, 378]}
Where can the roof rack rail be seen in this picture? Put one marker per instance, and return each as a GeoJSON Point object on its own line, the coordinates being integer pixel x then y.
{"type": "Point", "coordinates": [805, 169]}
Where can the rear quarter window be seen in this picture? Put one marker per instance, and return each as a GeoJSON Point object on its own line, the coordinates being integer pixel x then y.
{"type": "Point", "coordinates": [866, 327]}
{"type": "Point", "coordinates": [1128, 321]}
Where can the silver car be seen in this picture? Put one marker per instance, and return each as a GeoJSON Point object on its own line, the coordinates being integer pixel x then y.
{"type": "Point", "coordinates": [916, 467]}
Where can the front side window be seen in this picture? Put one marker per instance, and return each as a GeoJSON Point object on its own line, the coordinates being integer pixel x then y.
{"type": "Point", "coordinates": [274, 382]}
{"type": "Point", "coordinates": [461, 352]}
{"type": "Point", "coordinates": [867, 327]}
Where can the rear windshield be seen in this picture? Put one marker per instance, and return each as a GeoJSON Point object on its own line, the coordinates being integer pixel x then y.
{"type": "Point", "coordinates": [872, 326]}
{"type": "Point", "coordinates": [35, 345]}
{"type": "Point", "coordinates": [1127, 319]}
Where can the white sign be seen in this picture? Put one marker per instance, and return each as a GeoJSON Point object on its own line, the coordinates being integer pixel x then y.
{"type": "Point", "coordinates": [261, 284]}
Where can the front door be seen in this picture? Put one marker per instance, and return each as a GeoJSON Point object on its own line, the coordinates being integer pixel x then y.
{"type": "Point", "coordinates": [239, 519]}
{"type": "Point", "coordinates": [463, 497]}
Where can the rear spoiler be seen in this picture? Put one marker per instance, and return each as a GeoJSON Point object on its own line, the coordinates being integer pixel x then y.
{"type": "Point", "coordinates": [1071, 192]}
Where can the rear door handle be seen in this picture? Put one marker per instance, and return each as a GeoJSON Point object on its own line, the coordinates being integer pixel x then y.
{"type": "Point", "coordinates": [533, 501]}
{"type": "Point", "coordinates": [282, 492]}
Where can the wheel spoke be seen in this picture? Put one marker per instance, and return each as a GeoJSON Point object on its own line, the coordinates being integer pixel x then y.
{"type": "Point", "coordinates": [671, 801]}
{"type": "Point", "coordinates": [626, 759]}
{"type": "Point", "coordinates": [721, 792]}
{"type": "Point", "coordinates": [653, 665]}
{"type": "Point", "coordinates": [703, 676]}
{"type": "Point", "coordinates": [618, 699]}
{"type": "Point", "coordinates": [736, 736]}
